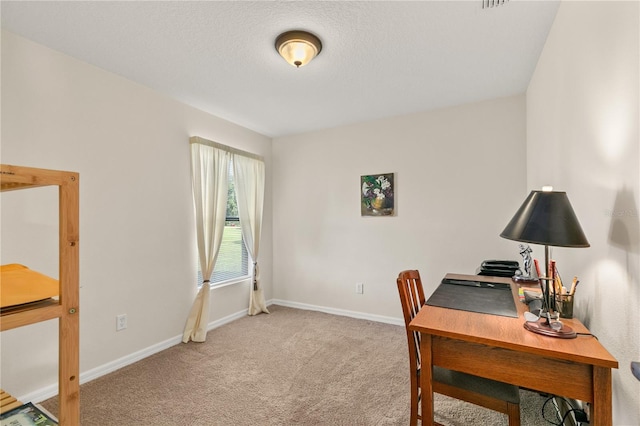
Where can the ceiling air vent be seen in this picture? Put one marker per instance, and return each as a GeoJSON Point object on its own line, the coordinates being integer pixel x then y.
{"type": "Point", "coordinates": [492, 3]}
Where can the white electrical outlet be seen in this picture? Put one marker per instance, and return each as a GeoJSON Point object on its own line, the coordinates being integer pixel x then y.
{"type": "Point", "coordinates": [121, 322]}
{"type": "Point", "coordinates": [359, 288]}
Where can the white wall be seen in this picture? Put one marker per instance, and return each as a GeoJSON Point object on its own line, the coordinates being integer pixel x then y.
{"type": "Point", "coordinates": [582, 137]}
{"type": "Point", "coordinates": [137, 247]}
{"type": "Point", "coordinates": [137, 243]}
{"type": "Point", "coordinates": [459, 175]}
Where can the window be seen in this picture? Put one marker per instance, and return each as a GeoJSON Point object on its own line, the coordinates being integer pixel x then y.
{"type": "Point", "coordinates": [233, 259]}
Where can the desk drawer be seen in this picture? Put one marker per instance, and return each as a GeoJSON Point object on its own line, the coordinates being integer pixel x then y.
{"type": "Point", "coordinates": [554, 376]}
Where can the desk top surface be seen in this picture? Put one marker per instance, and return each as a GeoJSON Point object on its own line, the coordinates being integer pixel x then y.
{"type": "Point", "coordinates": [509, 333]}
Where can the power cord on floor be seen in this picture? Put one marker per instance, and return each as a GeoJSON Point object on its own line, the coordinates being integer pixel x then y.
{"type": "Point", "coordinates": [579, 414]}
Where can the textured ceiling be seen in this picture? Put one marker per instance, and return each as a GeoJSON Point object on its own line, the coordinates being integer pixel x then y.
{"type": "Point", "coordinates": [379, 59]}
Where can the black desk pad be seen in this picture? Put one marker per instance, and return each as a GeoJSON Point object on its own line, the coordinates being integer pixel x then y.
{"type": "Point", "coordinates": [475, 296]}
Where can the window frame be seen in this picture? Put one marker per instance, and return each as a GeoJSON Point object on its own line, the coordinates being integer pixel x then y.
{"type": "Point", "coordinates": [241, 278]}
{"type": "Point", "coordinates": [233, 280]}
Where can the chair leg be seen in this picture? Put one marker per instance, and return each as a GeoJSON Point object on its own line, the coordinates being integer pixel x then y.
{"type": "Point", "coordinates": [513, 411]}
{"type": "Point", "coordinates": [414, 409]}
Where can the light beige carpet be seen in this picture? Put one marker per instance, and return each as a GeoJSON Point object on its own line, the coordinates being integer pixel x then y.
{"type": "Point", "coordinates": [290, 367]}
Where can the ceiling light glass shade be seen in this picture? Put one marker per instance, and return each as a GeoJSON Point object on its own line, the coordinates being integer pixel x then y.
{"type": "Point", "coordinates": [546, 218]}
{"type": "Point", "coordinates": [298, 47]}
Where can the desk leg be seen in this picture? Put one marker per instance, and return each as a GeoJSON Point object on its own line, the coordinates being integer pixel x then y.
{"type": "Point", "coordinates": [601, 411]}
{"type": "Point", "coordinates": [426, 374]}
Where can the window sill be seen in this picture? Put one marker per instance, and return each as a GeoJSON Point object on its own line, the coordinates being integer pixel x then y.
{"type": "Point", "coordinates": [226, 283]}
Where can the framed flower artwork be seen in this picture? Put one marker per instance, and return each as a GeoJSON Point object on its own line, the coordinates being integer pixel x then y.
{"type": "Point", "coordinates": [377, 195]}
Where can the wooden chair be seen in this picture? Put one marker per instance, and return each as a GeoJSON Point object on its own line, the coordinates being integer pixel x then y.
{"type": "Point", "coordinates": [496, 396]}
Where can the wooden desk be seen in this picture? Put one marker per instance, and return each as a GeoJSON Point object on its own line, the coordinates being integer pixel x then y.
{"type": "Point", "coordinates": [499, 348]}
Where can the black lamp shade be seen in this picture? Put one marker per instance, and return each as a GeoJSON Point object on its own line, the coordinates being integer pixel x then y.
{"type": "Point", "coordinates": [546, 218]}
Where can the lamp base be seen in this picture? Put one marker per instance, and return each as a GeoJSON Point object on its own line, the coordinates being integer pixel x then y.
{"type": "Point", "coordinates": [542, 327]}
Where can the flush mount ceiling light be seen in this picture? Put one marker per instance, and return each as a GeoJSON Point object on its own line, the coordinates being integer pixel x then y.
{"type": "Point", "coordinates": [298, 47]}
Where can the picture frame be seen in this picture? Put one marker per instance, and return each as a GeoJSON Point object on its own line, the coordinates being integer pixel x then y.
{"type": "Point", "coordinates": [377, 194]}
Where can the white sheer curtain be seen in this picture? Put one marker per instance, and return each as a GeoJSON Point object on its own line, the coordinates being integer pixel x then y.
{"type": "Point", "coordinates": [248, 175]}
{"type": "Point", "coordinates": [209, 180]}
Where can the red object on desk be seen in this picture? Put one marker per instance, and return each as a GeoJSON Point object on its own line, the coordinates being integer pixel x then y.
{"type": "Point", "coordinates": [535, 262]}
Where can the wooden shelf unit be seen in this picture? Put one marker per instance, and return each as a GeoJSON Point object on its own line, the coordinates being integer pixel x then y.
{"type": "Point", "coordinates": [8, 402]}
{"type": "Point", "coordinates": [66, 308]}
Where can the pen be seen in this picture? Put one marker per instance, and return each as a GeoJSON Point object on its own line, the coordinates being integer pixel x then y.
{"type": "Point", "coordinates": [573, 285]}
{"type": "Point", "coordinates": [559, 286]}
{"type": "Point", "coordinates": [535, 262]}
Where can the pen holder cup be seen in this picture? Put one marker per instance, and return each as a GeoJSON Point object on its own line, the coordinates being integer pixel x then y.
{"type": "Point", "coordinates": [564, 305]}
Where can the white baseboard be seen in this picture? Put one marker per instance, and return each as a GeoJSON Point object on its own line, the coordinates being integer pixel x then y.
{"type": "Point", "coordinates": [52, 390]}
{"type": "Point", "coordinates": [335, 311]}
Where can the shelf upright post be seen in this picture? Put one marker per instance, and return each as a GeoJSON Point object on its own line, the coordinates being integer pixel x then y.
{"type": "Point", "coordinates": [69, 328]}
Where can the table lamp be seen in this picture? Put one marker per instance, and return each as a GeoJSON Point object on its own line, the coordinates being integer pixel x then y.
{"type": "Point", "coordinates": [547, 218]}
